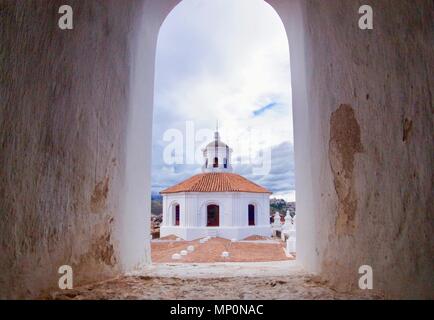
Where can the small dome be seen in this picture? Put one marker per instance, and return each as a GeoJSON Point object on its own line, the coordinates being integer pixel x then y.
{"type": "Point", "coordinates": [217, 142]}
{"type": "Point", "coordinates": [217, 156]}
{"type": "Point", "coordinates": [214, 144]}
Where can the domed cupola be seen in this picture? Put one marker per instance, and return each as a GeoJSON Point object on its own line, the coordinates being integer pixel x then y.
{"type": "Point", "coordinates": [217, 155]}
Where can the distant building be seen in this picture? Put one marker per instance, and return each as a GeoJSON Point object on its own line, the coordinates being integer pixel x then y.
{"type": "Point", "coordinates": [216, 202]}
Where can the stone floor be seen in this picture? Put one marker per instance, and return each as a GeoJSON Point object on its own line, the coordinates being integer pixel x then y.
{"type": "Point", "coordinates": [232, 281]}
{"type": "Point", "coordinates": [250, 250]}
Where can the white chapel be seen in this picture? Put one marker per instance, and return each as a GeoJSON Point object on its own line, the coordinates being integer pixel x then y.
{"type": "Point", "coordinates": [216, 202]}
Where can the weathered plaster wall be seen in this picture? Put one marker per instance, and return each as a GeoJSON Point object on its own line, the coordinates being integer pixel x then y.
{"type": "Point", "coordinates": [65, 113]}
{"type": "Point", "coordinates": [75, 105]}
{"type": "Point", "coordinates": [370, 96]}
{"type": "Point", "coordinates": [134, 227]}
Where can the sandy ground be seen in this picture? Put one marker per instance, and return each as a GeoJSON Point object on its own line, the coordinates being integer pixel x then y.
{"type": "Point", "coordinates": [232, 281]}
{"type": "Point", "coordinates": [253, 249]}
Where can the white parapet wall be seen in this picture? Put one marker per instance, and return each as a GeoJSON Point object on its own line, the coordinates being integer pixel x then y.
{"type": "Point", "coordinates": [193, 233]}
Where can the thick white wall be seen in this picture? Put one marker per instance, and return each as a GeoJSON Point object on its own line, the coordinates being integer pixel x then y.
{"type": "Point", "coordinates": [74, 176]}
{"type": "Point", "coordinates": [76, 119]}
{"type": "Point", "coordinates": [233, 211]}
{"type": "Point", "coordinates": [134, 230]}
{"type": "Point", "coordinates": [363, 137]}
{"type": "Point", "coordinates": [292, 17]}
{"type": "Point", "coordinates": [63, 119]}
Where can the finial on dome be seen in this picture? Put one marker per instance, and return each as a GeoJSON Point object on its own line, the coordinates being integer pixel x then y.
{"type": "Point", "coordinates": [216, 134]}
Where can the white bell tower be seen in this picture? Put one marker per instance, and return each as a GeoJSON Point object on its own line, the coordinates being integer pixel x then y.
{"type": "Point", "coordinates": [217, 156]}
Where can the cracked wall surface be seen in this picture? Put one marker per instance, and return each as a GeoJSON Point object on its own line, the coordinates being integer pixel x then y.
{"type": "Point", "coordinates": [372, 132]}
{"type": "Point", "coordinates": [63, 119]}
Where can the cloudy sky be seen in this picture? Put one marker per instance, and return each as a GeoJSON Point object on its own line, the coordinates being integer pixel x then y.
{"type": "Point", "coordinates": [225, 61]}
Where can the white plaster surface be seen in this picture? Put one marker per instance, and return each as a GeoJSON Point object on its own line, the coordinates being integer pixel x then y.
{"type": "Point", "coordinates": [233, 211]}
{"type": "Point", "coordinates": [76, 123]}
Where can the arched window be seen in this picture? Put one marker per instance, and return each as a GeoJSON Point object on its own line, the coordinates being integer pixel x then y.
{"type": "Point", "coordinates": [216, 162]}
{"type": "Point", "coordinates": [251, 215]}
{"type": "Point", "coordinates": [212, 216]}
{"type": "Point", "coordinates": [206, 163]}
{"type": "Point", "coordinates": [176, 215]}
{"type": "Point", "coordinates": [225, 163]}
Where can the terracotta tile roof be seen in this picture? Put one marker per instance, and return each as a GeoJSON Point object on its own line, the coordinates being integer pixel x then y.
{"type": "Point", "coordinates": [216, 182]}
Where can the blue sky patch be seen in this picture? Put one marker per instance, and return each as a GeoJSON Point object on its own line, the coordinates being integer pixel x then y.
{"type": "Point", "coordinates": [265, 108]}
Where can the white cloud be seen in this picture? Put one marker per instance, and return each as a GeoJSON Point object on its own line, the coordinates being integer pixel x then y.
{"type": "Point", "coordinates": [222, 60]}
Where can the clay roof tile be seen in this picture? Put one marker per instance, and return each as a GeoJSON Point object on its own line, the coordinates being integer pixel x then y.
{"type": "Point", "coordinates": [216, 182]}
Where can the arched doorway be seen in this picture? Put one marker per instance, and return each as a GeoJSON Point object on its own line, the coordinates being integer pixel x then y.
{"type": "Point", "coordinates": [212, 215]}
{"type": "Point", "coordinates": [252, 221]}
{"type": "Point", "coordinates": [176, 214]}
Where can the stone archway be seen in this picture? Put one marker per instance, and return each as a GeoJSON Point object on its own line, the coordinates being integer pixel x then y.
{"type": "Point", "coordinates": [291, 15]}
{"type": "Point", "coordinates": [78, 151]}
